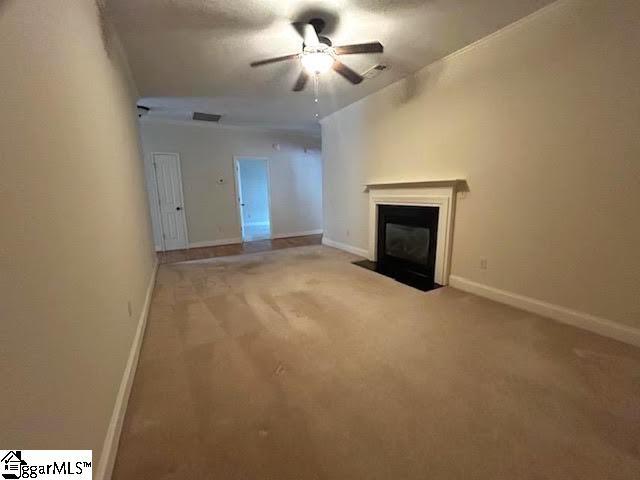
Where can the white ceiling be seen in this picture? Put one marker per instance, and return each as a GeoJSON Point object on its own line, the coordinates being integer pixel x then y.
{"type": "Point", "coordinates": [191, 55]}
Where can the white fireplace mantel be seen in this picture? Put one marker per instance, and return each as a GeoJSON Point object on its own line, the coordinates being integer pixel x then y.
{"type": "Point", "coordinates": [457, 184]}
{"type": "Point", "coordinates": [434, 193]}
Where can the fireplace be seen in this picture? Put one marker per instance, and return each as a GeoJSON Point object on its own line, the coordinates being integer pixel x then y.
{"type": "Point", "coordinates": [407, 238]}
{"type": "Point", "coordinates": [413, 245]}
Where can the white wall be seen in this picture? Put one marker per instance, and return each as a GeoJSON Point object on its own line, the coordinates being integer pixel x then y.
{"type": "Point", "coordinates": [542, 121]}
{"type": "Point", "coordinates": [75, 240]}
{"type": "Point", "coordinates": [206, 154]}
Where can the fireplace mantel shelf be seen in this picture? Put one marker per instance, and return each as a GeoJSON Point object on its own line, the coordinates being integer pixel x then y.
{"type": "Point", "coordinates": [457, 184]}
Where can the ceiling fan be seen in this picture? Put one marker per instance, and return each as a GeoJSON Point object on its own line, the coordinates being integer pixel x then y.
{"type": "Point", "coordinates": [319, 55]}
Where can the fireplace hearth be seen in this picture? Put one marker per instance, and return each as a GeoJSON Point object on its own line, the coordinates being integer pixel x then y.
{"type": "Point", "coordinates": [407, 238]}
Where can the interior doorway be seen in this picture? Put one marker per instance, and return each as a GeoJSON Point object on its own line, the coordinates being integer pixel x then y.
{"type": "Point", "coordinates": [254, 204]}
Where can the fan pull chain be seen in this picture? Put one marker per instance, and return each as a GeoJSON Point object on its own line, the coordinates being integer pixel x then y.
{"type": "Point", "coordinates": [316, 89]}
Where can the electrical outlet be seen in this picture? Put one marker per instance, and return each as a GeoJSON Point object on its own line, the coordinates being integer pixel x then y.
{"type": "Point", "coordinates": [483, 263]}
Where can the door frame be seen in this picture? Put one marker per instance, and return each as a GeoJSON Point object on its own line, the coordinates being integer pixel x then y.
{"type": "Point", "coordinates": [236, 174]}
{"type": "Point", "coordinates": [163, 245]}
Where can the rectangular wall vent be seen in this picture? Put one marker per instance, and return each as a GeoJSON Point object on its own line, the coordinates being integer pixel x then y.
{"type": "Point", "coordinates": [206, 117]}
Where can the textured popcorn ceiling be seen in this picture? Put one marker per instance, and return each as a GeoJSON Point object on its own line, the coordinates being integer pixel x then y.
{"type": "Point", "coordinates": [194, 54]}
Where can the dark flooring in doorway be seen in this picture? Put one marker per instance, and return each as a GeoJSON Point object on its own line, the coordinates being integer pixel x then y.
{"type": "Point", "coordinates": [175, 256]}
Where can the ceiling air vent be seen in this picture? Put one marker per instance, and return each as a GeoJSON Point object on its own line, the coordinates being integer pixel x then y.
{"type": "Point", "coordinates": [206, 117]}
{"type": "Point", "coordinates": [374, 71]}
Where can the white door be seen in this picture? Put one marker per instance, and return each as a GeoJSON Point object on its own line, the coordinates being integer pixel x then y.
{"type": "Point", "coordinates": [170, 200]}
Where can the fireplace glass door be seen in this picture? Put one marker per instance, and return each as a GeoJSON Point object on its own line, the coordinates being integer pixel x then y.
{"type": "Point", "coordinates": [407, 238]}
{"type": "Point", "coordinates": [407, 242]}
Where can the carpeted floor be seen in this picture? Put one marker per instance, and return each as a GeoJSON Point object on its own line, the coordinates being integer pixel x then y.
{"type": "Point", "coordinates": [295, 364]}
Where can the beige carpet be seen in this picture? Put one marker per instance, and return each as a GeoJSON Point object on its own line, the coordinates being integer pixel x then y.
{"type": "Point", "coordinates": [296, 364]}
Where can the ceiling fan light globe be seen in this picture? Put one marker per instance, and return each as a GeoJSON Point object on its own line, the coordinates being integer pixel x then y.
{"type": "Point", "coordinates": [316, 63]}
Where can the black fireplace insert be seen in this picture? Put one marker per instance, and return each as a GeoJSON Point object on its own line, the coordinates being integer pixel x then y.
{"type": "Point", "coordinates": [406, 246]}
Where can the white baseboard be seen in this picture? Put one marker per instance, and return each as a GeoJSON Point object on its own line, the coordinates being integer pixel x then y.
{"type": "Point", "coordinates": [346, 247]}
{"type": "Point", "coordinates": [297, 234]}
{"type": "Point", "coordinates": [215, 243]}
{"type": "Point", "coordinates": [110, 446]}
{"type": "Point", "coordinates": [586, 321]}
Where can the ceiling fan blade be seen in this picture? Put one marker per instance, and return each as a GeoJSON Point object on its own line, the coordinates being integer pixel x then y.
{"type": "Point", "coordinates": [275, 59]}
{"type": "Point", "coordinates": [372, 47]}
{"type": "Point", "coordinates": [301, 81]}
{"type": "Point", "coordinates": [347, 73]}
{"type": "Point", "coordinates": [310, 36]}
